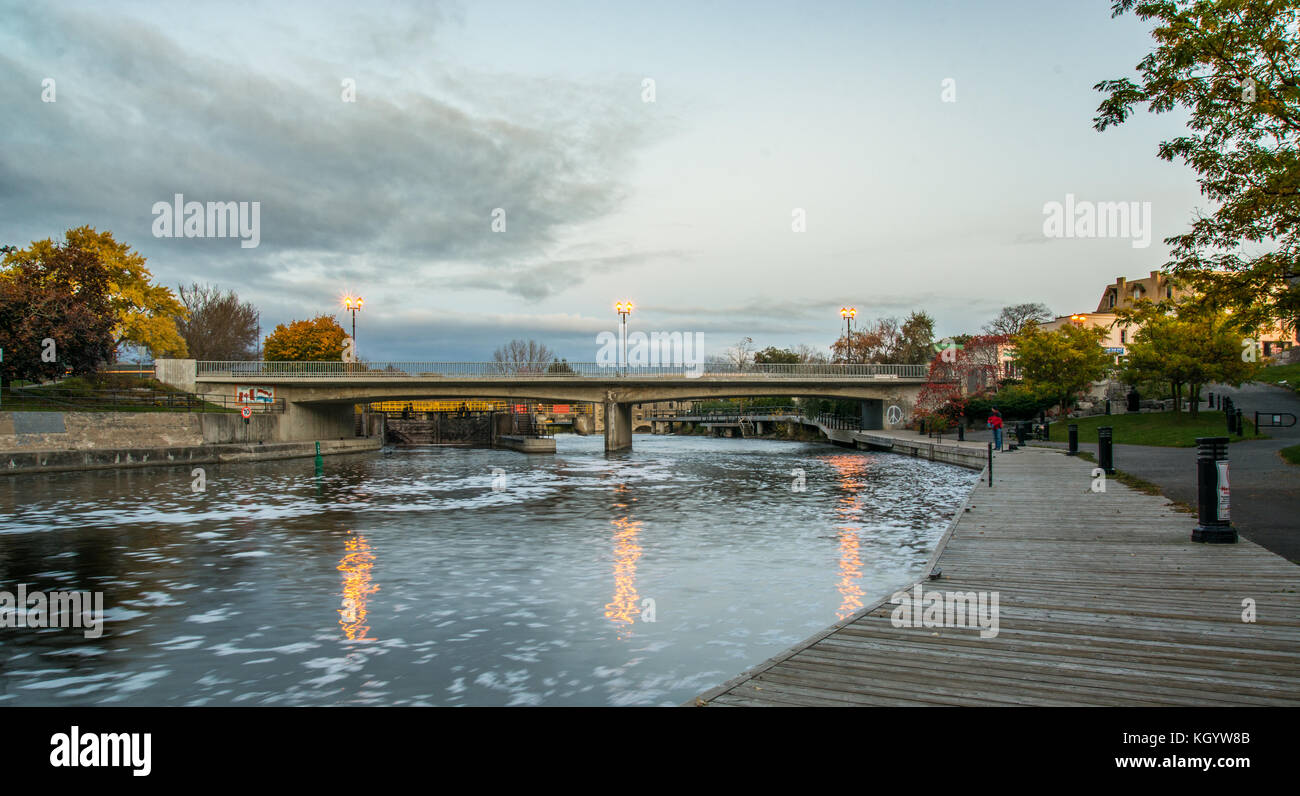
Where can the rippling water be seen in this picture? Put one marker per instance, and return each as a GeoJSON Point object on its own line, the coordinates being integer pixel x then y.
{"type": "Point", "coordinates": [581, 578]}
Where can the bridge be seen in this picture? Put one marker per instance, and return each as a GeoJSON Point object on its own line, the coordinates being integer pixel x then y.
{"type": "Point", "coordinates": [319, 396]}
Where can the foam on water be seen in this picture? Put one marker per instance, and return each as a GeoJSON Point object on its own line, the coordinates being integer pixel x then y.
{"type": "Point", "coordinates": [408, 579]}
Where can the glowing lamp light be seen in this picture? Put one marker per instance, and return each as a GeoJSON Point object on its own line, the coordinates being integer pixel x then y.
{"type": "Point", "coordinates": [623, 307]}
{"type": "Point", "coordinates": [848, 312]}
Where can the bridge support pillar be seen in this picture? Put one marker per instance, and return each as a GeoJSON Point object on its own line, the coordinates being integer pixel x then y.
{"type": "Point", "coordinates": [618, 426]}
{"type": "Point", "coordinates": [873, 414]}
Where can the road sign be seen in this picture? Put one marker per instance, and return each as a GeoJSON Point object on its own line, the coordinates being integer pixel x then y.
{"type": "Point", "coordinates": [247, 412]}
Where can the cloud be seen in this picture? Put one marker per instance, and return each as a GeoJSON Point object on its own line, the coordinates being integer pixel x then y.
{"type": "Point", "coordinates": [401, 181]}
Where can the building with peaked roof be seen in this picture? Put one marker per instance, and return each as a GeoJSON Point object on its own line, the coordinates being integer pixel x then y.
{"type": "Point", "coordinates": [1124, 293]}
{"type": "Point", "coordinates": [1156, 287]}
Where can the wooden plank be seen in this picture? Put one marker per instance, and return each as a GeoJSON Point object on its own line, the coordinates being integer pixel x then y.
{"type": "Point", "coordinates": [1103, 600]}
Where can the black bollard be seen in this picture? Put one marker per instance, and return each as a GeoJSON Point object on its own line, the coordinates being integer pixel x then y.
{"type": "Point", "coordinates": [1073, 450]}
{"type": "Point", "coordinates": [1107, 406]}
{"type": "Point", "coordinates": [1021, 433]}
{"type": "Point", "coordinates": [920, 428]}
{"type": "Point", "coordinates": [1241, 425]}
{"type": "Point", "coordinates": [1209, 400]}
{"type": "Point", "coordinates": [1105, 449]}
{"type": "Point", "coordinates": [1229, 415]}
{"type": "Point", "coordinates": [1213, 524]}
{"type": "Point", "coordinates": [990, 464]}
{"type": "Point", "coordinates": [961, 430]}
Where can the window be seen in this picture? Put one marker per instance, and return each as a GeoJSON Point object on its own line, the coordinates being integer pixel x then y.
{"type": "Point", "coordinates": [1123, 335]}
{"type": "Point", "coordinates": [1112, 298]}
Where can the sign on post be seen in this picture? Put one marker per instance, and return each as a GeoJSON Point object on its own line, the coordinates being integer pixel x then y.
{"type": "Point", "coordinates": [246, 412]}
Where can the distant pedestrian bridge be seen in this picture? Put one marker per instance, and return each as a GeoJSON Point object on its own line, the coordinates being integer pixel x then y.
{"type": "Point", "coordinates": [319, 395]}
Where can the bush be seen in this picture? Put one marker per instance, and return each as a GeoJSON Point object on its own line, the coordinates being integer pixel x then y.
{"type": "Point", "coordinates": [1015, 402]}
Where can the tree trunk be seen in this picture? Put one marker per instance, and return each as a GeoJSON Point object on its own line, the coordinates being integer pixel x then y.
{"type": "Point", "coordinates": [1194, 398]}
{"type": "Point", "coordinates": [1177, 390]}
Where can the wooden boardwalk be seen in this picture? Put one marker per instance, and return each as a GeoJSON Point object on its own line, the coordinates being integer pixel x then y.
{"type": "Point", "coordinates": [1103, 600]}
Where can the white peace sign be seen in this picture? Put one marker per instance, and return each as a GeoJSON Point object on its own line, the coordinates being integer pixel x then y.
{"type": "Point", "coordinates": [894, 415]}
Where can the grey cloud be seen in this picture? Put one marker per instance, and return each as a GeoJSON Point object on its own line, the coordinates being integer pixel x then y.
{"type": "Point", "coordinates": [399, 174]}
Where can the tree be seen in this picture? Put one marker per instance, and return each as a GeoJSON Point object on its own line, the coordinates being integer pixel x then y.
{"type": "Point", "coordinates": [54, 314]}
{"type": "Point", "coordinates": [317, 340]}
{"type": "Point", "coordinates": [776, 356]}
{"type": "Point", "coordinates": [1013, 318]}
{"type": "Point", "coordinates": [974, 365]}
{"type": "Point", "coordinates": [220, 327]}
{"type": "Point", "coordinates": [915, 344]}
{"type": "Point", "coordinates": [561, 366]}
{"type": "Point", "coordinates": [1232, 66]}
{"type": "Point", "coordinates": [858, 347]}
{"type": "Point", "coordinates": [520, 356]}
{"type": "Point", "coordinates": [809, 355]}
{"type": "Point", "coordinates": [1062, 363]}
{"type": "Point", "coordinates": [888, 341]}
{"type": "Point", "coordinates": [1185, 345]}
{"type": "Point", "coordinates": [740, 354]}
{"type": "Point", "coordinates": [143, 314]}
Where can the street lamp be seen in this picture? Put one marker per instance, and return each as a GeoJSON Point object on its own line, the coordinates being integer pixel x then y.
{"type": "Point", "coordinates": [353, 303]}
{"type": "Point", "coordinates": [624, 309]}
{"type": "Point", "coordinates": [848, 314]}
{"type": "Point", "coordinates": [1078, 319]}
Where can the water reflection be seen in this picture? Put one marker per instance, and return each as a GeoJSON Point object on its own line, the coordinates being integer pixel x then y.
{"type": "Point", "coordinates": [215, 599]}
{"type": "Point", "coordinates": [357, 587]}
{"type": "Point", "coordinates": [624, 608]}
{"type": "Point", "coordinates": [852, 472]}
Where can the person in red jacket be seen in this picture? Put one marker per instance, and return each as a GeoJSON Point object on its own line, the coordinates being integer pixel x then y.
{"type": "Point", "coordinates": [995, 423]}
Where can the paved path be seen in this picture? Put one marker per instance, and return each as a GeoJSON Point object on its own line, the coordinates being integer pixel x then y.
{"type": "Point", "coordinates": [1103, 600]}
{"type": "Point", "coordinates": [1265, 487]}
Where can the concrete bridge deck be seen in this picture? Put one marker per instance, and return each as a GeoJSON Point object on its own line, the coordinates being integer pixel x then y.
{"type": "Point", "coordinates": [319, 395]}
{"type": "Point", "coordinates": [1103, 600]}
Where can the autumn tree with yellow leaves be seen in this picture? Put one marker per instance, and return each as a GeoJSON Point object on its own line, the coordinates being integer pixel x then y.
{"type": "Point", "coordinates": [317, 340]}
{"type": "Point", "coordinates": [143, 314]}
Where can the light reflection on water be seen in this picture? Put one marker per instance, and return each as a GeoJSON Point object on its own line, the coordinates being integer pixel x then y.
{"type": "Point", "coordinates": [406, 579]}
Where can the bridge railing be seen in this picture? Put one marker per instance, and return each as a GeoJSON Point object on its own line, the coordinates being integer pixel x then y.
{"type": "Point", "coordinates": [726, 415]}
{"type": "Point", "coordinates": [827, 419]}
{"type": "Point", "coordinates": [563, 370]}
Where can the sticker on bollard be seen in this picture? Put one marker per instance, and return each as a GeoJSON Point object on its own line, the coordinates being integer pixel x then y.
{"type": "Point", "coordinates": [1225, 502]}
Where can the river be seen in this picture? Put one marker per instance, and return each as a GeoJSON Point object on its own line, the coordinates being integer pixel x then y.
{"type": "Point", "coordinates": [452, 576]}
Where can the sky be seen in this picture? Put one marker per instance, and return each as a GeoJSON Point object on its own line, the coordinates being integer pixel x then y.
{"type": "Point", "coordinates": [501, 172]}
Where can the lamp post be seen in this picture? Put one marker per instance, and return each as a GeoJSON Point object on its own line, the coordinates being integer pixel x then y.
{"type": "Point", "coordinates": [624, 309]}
{"type": "Point", "coordinates": [848, 314]}
{"type": "Point", "coordinates": [353, 303]}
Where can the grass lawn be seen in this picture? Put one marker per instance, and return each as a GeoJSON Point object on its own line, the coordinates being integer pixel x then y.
{"type": "Point", "coordinates": [1282, 375]}
{"type": "Point", "coordinates": [1164, 429]}
{"type": "Point", "coordinates": [1291, 454]}
{"type": "Point", "coordinates": [105, 394]}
